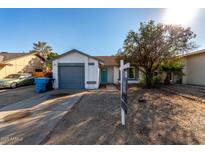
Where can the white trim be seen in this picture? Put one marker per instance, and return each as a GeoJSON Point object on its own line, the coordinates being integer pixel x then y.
{"type": "Point", "coordinates": [91, 71]}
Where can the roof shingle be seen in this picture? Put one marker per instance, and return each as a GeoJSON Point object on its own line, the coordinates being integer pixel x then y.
{"type": "Point", "coordinates": [8, 56]}
{"type": "Point", "coordinates": [108, 60]}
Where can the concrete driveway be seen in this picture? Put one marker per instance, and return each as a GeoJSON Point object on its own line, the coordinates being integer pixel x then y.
{"type": "Point", "coordinates": [10, 96]}
{"type": "Point", "coordinates": [32, 120]}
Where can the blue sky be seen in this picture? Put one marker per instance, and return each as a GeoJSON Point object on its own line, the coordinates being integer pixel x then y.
{"type": "Point", "coordinates": [94, 31]}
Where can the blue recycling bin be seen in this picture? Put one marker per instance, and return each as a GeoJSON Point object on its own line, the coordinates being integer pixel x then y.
{"type": "Point", "coordinates": [41, 84]}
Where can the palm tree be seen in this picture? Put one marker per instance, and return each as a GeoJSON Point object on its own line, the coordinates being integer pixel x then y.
{"type": "Point", "coordinates": [42, 48]}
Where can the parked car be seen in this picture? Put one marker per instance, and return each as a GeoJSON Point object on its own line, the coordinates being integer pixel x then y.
{"type": "Point", "coordinates": [16, 80]}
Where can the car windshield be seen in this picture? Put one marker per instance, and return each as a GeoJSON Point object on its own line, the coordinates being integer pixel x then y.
{"type": "Point", "coordinates": [12, 76]}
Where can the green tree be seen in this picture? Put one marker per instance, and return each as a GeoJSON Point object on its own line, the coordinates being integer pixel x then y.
{"type": "Point", "coordinates": [172, 66]}
{"type": "Point", "coordinates": [154, 44]}
{"type": "Point", "coordinates": [46, 52]}
{"type": "Point", "coordinates": [42, 48]}
{"type": "Point", "coordinates": [49, 57]}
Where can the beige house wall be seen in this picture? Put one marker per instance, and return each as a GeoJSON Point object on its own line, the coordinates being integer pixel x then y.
{"type": "Point", "coordinates": [194, 69]}
{"type": "Point", "coordinates": [185, 76]}
{"type": "Point", "coordinates": [25, 64]}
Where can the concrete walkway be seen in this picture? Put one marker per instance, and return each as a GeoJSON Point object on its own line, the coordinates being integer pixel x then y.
{"type": "Point", "coordinates": [110, 87]}
{"type": "Point", "coordinates": [107, 88]}
{"type": "Point", "coordinates": [32, 121]}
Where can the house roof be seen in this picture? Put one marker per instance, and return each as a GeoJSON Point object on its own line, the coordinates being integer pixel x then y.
{"type": "Point", "coordinates": [194, 53]}
{"type": "Point", "coordinates": [108, 60]}
{"type": "Point", "coordinates": [6, 56]}
{"type": "Point", "coordinates": [76, 51]}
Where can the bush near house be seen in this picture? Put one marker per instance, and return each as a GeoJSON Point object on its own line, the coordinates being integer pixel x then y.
{"type": "Point", "coordinates": [173, 66]}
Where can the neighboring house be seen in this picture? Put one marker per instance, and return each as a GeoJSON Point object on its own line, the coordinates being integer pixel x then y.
{"type": "Point", "coordinates": [194, 69]}
{"type": "Point", "coordinates": [11, 63]}
{"type": "Point", "coordinates": [77, 70]}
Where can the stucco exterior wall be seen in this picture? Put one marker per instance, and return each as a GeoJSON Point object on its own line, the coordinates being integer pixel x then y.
{"type": "Point", "coordinates": [110, 74]}
{"type": "Point", "coordinates": [25, 64]}
{"type": "Point", "coordinates": [185, 77]}
{"type": "Point", "coordinates": [91, 71]}
{"type": "Point", "coordinates": [194, 69]}
{"type": "Point", "coordinates": [116, 74]}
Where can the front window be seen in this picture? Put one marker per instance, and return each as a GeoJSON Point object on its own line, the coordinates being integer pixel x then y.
{"type": "Point", "coordinates": [131, 73]}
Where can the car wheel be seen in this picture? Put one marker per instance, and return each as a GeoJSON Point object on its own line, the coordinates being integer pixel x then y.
{"type": "Point", "coordinates": [13, 85]}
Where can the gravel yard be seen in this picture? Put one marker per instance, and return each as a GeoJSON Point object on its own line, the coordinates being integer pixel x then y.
{"type": "Point", "coordinates": [165, 118]}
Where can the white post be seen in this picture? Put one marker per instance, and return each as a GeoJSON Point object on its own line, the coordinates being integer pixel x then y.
{"type": "Point", "coordinates": [121, 76]}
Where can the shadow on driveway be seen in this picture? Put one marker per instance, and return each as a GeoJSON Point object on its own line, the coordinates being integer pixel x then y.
{"type": "Point", "coordinates": [10, 96]}
{"type": "Point", "coordinates": [32, 120]}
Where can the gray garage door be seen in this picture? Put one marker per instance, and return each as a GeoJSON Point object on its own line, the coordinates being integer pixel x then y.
{"type": "Point", "coordinates": [71, 76]}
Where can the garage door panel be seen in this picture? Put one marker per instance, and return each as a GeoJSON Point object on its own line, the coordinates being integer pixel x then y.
{"type": "Point", "coordinates": [72, 74]}
{"type": "Point", "coordinates": [71, 77]}
{"type": "Point", "coordinates": [71, 86]}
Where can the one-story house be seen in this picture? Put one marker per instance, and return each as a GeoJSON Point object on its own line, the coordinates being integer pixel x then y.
{"type": "Point", "coordinates": [78, 70]}
{"type": "Point", "coordinates": [12, 63]}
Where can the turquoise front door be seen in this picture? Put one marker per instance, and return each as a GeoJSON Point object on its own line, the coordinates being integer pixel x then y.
{"type": "Point", "coordinates": [104, 75]}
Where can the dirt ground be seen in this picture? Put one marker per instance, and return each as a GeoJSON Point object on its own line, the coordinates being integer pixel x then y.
{"type": "Point", "coordinates": [164, 118]}
{"type": "Point", "coordinates": [9, 96]}
{"type": "Point", "coordinates": [190, 91]}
